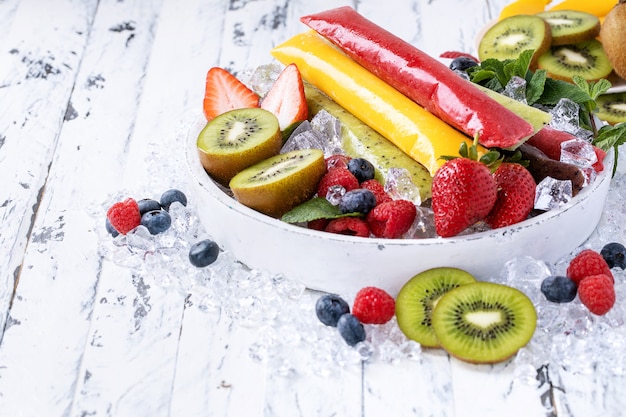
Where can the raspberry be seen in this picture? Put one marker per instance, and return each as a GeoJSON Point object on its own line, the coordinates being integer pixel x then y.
{"type": "Point", "coordinates": [586, 263]}
{"type": "Point", "coordinates": [597, 293]}
{"type": "Point", "coordinates": [377, 188]}
{"type": "Point", "coordinates": [337, 161]}
{"type": "Point", "coordinates": [318, 224]}
{"type": "Point", "coordinates": [337, 176]}
{"type": "Point", "coordinates": [351, 226]}
{"type": "Point", "coordinates": [124, 216]}
{"type": "Point", "coordinates": [373, 306]}
{"type": "Point", "coordinates": [391, 219]}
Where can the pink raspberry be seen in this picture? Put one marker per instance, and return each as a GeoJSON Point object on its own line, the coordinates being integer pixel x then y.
{"type": "Point", "coordinates": [337, 176]}
{"type": "Point", "coordinates": [597, 293]}
{"type": "Point", "coordinates": [391, 219]}
{"type": "Point", "coordinates": [377, 188]}
{"type": "Point", "coordinates": [351, 226]}
{"type": "Point", "coordinates": [373, 306]}
{"type": "Point", "coordinates": [124, 216]}
{"type": "Point", "coordinates": [588, 262]}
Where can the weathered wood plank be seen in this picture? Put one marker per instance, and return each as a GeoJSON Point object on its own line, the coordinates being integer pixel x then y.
{"type": "Point", "coordinates": [39, 70]}
{"type": "Point", "coordinates": [52, 313]}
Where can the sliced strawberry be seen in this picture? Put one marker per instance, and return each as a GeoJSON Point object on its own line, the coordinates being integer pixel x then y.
{"type": "Point", "coordinates": [286, 98]}
{"type": "Point", "coordinates": [225, 92]}
{"type": "Point", "coordinates": [516, 195]}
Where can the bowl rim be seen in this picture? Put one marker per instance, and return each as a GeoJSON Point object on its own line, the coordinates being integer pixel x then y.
{"type": "Point", "coordinates": [216, 192]}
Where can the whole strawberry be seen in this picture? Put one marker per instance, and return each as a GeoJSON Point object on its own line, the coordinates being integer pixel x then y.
{"type": "Point", "coordinates": [463, 192]}
{"type": "Point", "coordinates": [597, 293]}
{"type": "Point", "coordinates": [516, 195]}
{"type": "Point", "coordinates": [373, 305]}
{"type": "Point", "coordinates": [587, 262]}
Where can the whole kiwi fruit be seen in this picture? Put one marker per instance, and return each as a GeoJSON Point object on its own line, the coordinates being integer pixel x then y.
{"type": "Point", "coordinates": [613, 37]}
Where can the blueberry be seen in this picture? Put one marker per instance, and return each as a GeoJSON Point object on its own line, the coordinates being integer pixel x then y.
{"type": "Point", "coordinates": [203, 253]}
{"type": "Point", "coordinates": [148, 204]}
{"type": "Point", "coordinates": [156, 221]}
{"type": "Point", "coordinates": [111, 229]}
{"type": "Point", "coordinates": [462, 63]}
{"type": "Point", "coordinates": [361, 168]}
{"type": "Point", "coordinates": [351, 329]}
{"type": "Point", "coordinates": [614, 254]}
{"type": "Point", "coordinates": [359, 200]}
{"type": "Point", "coordinates": [172, 196]}
{"type": "Point", "coordinates": [329, 308]}
{"type": "Point", "coordinates": [558, 289]}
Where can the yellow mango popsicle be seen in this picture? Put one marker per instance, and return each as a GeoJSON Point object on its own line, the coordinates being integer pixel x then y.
{"type": "Point", "coordinates": [409, 126]}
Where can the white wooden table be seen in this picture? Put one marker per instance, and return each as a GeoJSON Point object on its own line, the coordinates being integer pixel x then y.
{"type": "Point", "coordinates": [94, 97]}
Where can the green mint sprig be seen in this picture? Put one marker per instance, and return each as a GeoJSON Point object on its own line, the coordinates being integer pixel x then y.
{"type": "Point", "coordinates": [611, 137]}
{"type": "Point", "coordinates": [314, 209]}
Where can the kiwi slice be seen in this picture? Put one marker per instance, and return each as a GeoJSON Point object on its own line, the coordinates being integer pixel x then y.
{"type": "Point", "coordinates": [586, 58]}
{"type": "Point", "coordinates": [612, 107]}
{"type": "Point", "coordinates": [419, 296]}
{"type": "Point", "coordinates": [277, 184]}
{"type": "Point", "coordinates": [511, 36]}
{"type": "Point", "coordinates": [571, 26]}
{"type": "Point", "coordinates": [484, 322]}
{"type": "Point", "coordinates": [237, 139]}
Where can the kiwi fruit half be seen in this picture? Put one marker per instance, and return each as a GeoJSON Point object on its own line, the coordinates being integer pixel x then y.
{"type": "Point", "coordinates": [419, 296]}
{"type": "Point", "coordinates": [277, 184]}
{"type": "Point", "coordinates": [586, 58]}
{"type": "Point", "coordinates": [511, 36]}
{"type": "Point", "coordinates": [236, 140]}
{"type": "Point", "coordinates": [612, 107]}
{"type": "Point", "coordinates": [571, 26]}
{"type": "Point", "coordinates": [612, 35]}
{"type": "Point", "coordinates": [484, 322]}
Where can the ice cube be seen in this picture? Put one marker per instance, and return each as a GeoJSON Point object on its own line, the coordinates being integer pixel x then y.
{"type": "Point", "coordinates": [552, 193]}
{"type": "Point", "coordinates": [516, 89]}
{"type": "Point", "coordinates": [399, 186]}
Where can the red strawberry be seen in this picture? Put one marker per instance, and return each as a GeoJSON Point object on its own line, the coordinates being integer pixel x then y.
{"type": "Point", "coordinates": [391, 219]}
{"type": "Point", "coordinates": [516, 195]}
{"type": "Point", "coordinates": [378, 189]}
{"type": "Point", "coordinates": [373, 305]}
{"type": "Point", "coordinates": [597, 293]}
{"type": "Point", "coordinates": [351, 226]}
{"type": "Point", "coordinates": [124, 216]}
{"type": "Point", "coordinates": [463, 192]}
{"type": "Point", "coordinates": [585, 263]}
{"type": "Point", "coordinates": [286, 98]}
{"type": "Point", "coordinates": [225, 92]}
{"type": "Point", "coordinates": [337, 176]}
{"type": "Point", "coordinates": [318, 224]}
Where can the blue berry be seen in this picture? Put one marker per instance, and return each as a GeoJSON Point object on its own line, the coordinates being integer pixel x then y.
{"type": "Point", "coordinates": [203, 253]}
{"type": "Point", "coordinates": [172, 196]}
{"type": "Point", "coordinates": [329, 308]}
{"type": "Point", "coordinates": [361, 168]}
{"type": "Point", "coordinates": [351, 329]}
{"type": "Point", "coordinates": [111, 229]}
{"type": "Point", "coordinates": [558, 289]}
{"type": "Point", "coordinates": [462, 63]}
{"type": "Point", "coordinates": [614, 254]}
{"type": "Point", "coordinates": [359, 200]}
{"type": "Point", "coordinates": [156, 221]}
{"type": "Point", "coordinates": [148, 204]}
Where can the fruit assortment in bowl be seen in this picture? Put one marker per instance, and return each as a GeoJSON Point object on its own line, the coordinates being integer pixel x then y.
{"type": "Point", "coordinates": [333, 216]}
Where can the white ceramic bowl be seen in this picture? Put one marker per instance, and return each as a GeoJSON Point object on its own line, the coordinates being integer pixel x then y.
{"type": "Point", "coordinates": [344, 264]}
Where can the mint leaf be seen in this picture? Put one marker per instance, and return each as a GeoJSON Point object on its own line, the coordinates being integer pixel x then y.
{"type": "Point", "coordinates": [535, 86]}
{"type": "Point", "coordinates": [611, 137]}
{"type": "Point", "coordinates": [316, 208]}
